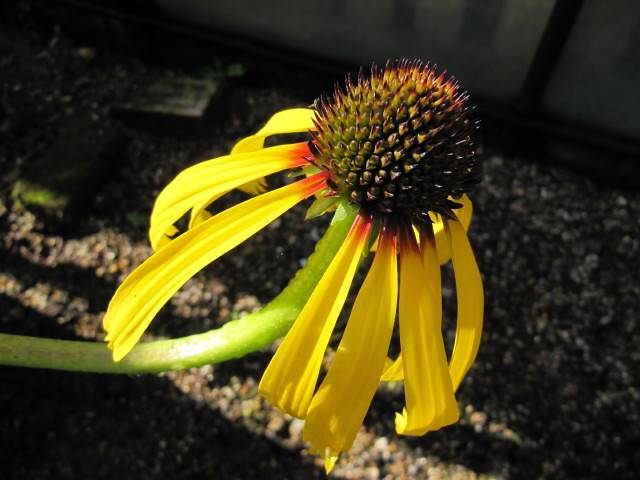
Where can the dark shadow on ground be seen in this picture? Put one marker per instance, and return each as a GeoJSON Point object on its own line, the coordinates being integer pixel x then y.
{"type": "Point", "coordinates": [66, 425]}
{"type": "Point", "coordinates": [75, 425]}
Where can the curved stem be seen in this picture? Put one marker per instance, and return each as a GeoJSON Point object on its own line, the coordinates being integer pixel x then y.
{"type": "Point", "coordinates": [232, 340]}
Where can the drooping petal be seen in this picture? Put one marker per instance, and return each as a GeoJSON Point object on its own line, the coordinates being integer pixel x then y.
{"type": "Point", "coordinates": [464, 214]}
{"type": "Point", "coordinates": [470, 297]}
{"type": "Point", "coordinates": [290, 378]}
{"type": "Point", "coordinates": [432, 266]}
{"type": "Point", "coordinates": [341, 403]}
{"type": "Point", "coordinates": [430, 402]}
{"type": "Point", "coordinates": [329, 463]}
{"type": "Point", "coordinates": [152, 284]}
{"type": "Point", "coordinates": [213, 178]}
{"type": "Point", "coordinates": [293, 120]}
{"type": "Point", "coordinates": [393, 370]}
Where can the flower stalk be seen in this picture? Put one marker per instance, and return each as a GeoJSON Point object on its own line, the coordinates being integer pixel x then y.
{"type": "Point", "coordinates": [233, 340]}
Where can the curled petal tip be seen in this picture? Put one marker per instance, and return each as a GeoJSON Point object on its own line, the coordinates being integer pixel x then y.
{"type": "Point", "coordinates": [329, 463]}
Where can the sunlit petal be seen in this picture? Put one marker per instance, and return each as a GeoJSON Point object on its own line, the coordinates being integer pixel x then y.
{"type": "Point", "coordinates": [287, 121]}
{"type": "Point", "coordinates": [393, 370]}
{"type": "Point", "coordinates": [290, 379]}
{"type": "Point", "coordinates": [430, 402]}
{"type": "Point", "coordinates": [340, 404]}
{"type": "Point", "coordinates": [293, 120]}
{"type": "Point", "coordinates": [213, 178]}
{"type": "Point", "coordinates": [152, 284]}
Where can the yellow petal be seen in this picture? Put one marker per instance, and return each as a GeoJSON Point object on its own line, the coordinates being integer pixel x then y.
{"type": "Point", "coordinates": [213, 178]}
{"type": "Point", "coordinates": [470, 297]}
{"type": "Point", "coordinates": [431, 266]}
{"type": "Point", "coordinates": [430, 402]}
{"type": "Point", "coordinates": [152, 284]}
{"type": "Point", "coordinates": [341, 403]}
{"type": "Point", "coordinates": [329, 463]}
{"type": "Point", "coordinates": [287, 121]}
{"type": "Point", "coordinates": [293, 120]}
{"type": "Point", "coordinates": [464, 214]}
{"type": "Point", "coordinates": [393, 370]}
{"type": "Point", "coordinates": [291, 376]}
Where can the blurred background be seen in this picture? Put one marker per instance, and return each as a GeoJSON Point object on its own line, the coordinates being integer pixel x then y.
{"type": "Point", "coordinates": [101, 104]}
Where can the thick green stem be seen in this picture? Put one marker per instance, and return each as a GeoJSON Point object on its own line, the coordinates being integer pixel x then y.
{"type": "Point", "coordinates": [232, 340]}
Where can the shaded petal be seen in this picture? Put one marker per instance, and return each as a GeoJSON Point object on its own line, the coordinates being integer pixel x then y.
{"type": "Point", "coordinates": [291, 376]}
{"type": "Point", "coordinates": [470, 297]}
{"type": "Point", "coordinates": [341, 403]}
{"type": "Point", "coordinates": [464, 214]}
{"type": "Point", "coordinates": [430, 402]}
{"type": "Point", "coordinates": [152, 284]}
{"type": "Point", "coordinates": [213, 178]}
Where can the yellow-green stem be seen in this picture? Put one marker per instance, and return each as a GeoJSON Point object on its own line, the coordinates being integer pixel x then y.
{"type": "Point", "coordinates": [232, 340]}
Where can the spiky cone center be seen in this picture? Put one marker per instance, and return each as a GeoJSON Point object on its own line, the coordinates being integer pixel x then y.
{"type": "Point", "coordinates": [399, 142]}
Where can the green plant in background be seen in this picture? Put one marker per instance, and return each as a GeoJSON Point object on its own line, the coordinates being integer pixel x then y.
{"type": "Point", "coordinates": [393, 154]}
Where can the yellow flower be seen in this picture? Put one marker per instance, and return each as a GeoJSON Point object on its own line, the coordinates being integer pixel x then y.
{"type": "Point", "coordinates": [399, 145]}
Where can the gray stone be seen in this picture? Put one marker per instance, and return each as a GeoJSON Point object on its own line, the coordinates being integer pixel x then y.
{"type": "Point", "coordinates": [177, 106]}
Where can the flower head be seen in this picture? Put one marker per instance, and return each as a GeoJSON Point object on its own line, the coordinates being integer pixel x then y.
{"type": "Point", "coordinates": [397, 144]}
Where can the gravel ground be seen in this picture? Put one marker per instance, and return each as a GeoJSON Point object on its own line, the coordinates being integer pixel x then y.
{"type": "Point", "coordinates": [554, 393]}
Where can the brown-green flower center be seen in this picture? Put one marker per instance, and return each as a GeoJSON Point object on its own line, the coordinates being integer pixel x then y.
{"type": "Point", "coordinates": [400, 141]}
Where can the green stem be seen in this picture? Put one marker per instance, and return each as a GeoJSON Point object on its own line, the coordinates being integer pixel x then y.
{"type": "Point", "coordinates": [232, 340]}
